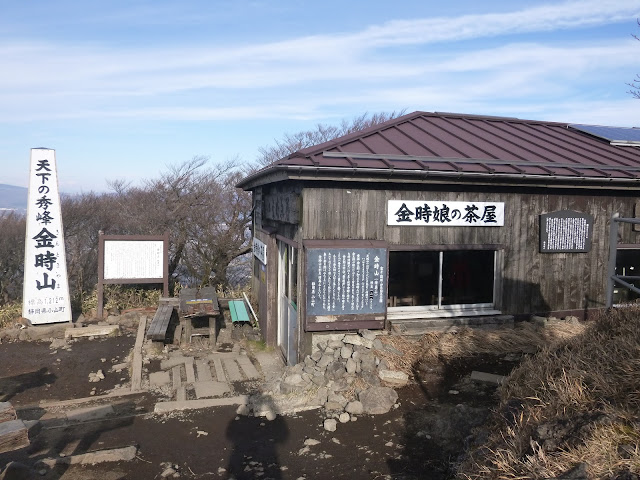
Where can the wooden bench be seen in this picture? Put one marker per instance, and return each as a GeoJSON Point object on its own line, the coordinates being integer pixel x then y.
{"type": "Point", "coordinates": [159, 325]}
{"type": "Point", "coordinates": [238, 311]}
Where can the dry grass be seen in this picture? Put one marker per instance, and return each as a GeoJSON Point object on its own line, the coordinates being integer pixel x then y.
{"type": "Point", "coordinates": [9, 314]}
{"type": "Point", "coordinates": [438, 347]}
{"type": "Point", "coordinates": [587, 391]}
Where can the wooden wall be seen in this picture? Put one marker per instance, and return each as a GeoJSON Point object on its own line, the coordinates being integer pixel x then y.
{"type": "Point", "coordinates": [531, 282]}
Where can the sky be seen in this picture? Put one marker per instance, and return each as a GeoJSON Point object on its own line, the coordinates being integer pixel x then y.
{"type": "Point", "coordinates": [124, 89]}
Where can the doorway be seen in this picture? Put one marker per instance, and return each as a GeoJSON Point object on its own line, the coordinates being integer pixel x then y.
{"type": "Point", "coordinates": [288, 301]}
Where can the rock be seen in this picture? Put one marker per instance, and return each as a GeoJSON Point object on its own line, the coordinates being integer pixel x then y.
{"type": "Point", "coordinates": [335, 371]}
{"type": "Point", "coordinates": [320, 397]}
{"type": "Point", "coordinates": [270, 415]}
{"type": "Point", "coordinates": [332, 406]}
{"type": "Point", "coordinates": [294, 379]}
{"type": "Point", "coordinates": [243, 410]}
{"type": "Point", "coordinates": [368, 362]}
{"type": "Point", "coordinates": [18, 471]}
{"type": "Point", "coordinates": [41, 332]}
{"type": "Point", "coordinates": [119, 367]}
{"type": "Point", "coordinates": [377, 344]}
{"type": "Point", "coordinates": [393, 378]}
{"type": "Point", "coordinates": [330, 424]}
{"type": "Point", "coordinates": [393, 350]}
{"type": "Point", "coordinates": [540, 321]}
{"type": "Point", "coordinates": [572, 319]}
{"type": "Point", "coordinates": [579, 472]}
{"type": "Point", "coordinates": [310, 442]}
{"type": "Point", "coordinates": [168, 472]}
{"type": "Point", "coordinates": [367, 334]}
{"type": "Point", "coordinates": [344, 417]}
{"type": "Point", "coordinates": [319, 380]}
{"type": "Point", "coordinates": [337, 398]}
{"type": "Point", "coordinates": [325, 360]}
{"type": "Point", "coordinates": [370, 377]}
{"type": "Point", "coordinates": [377, 400]}
{"type": "Point", "coordinates": [57, 343]}
{"type": "Point", "coordinates": [354, 408]}
{"type": "Point", "coordinates": [355, 339]}
{"type": "Point", "coordinates": [346, 351]}
{"type": "Point", "coordinates": [315, 356]}
{"type": "Point", "coordinates": [352, 365]}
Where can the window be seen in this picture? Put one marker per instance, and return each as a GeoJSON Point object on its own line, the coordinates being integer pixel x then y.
{"type": "Point", "coordinates": [627, 265]}
{"type": "Point", "coordinates": [442, 280]}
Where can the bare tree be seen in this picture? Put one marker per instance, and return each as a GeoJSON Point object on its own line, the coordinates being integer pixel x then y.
{"type": "Point", "coordinates": [12, 228]}
{"type": "Point", "coordinates": [635, 84]}
{"type": "Point", "coordinates": [321, 133]}
{"type": "Point", "coordinates": [206, 216]}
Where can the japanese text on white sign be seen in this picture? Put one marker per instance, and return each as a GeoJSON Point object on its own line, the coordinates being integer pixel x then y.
{"type": "Point", "coordinates": [46, 290]}
{"type": "Point", "coordinates": [445, 213]}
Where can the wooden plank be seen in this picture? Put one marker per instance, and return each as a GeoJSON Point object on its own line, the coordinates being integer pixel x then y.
{"type": "Point", "coordinates": [248, 368]}
{"type": "Point", "coordinates": [136, 364]}
{"type": "Point", "coordinates": [185, 295]}
{"type": "Point", "coordinates": [160, 323]}
{"type": "Point", "coordinates": [204, 371]}
{"type": "Point", "coordinates": [13, 435]}
{"type": "Point", "coordinates": [93, 331]}
{"type": "Point", "coordinates": [176, 376]}
{"type": "Point", "coordinates": [177, 334]}
{"type": "Point", "coordinates": [210, 294]}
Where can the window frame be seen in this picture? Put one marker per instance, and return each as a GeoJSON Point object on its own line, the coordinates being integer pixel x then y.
{"type": "Point", "coordinates": [440, 310]}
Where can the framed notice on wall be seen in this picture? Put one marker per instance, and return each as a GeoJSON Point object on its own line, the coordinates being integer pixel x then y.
{"type": "Point", "coordinates": [565, 231]}
{"type": "Point", "coordinates": [346, 286]}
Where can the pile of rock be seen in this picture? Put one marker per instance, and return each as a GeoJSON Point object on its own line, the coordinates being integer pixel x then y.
{"type": "Point", "coordinates": [346, 375]}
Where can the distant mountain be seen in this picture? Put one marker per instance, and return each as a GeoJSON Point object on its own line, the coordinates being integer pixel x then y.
{"type": "Point", "coordinates": [13, 198]}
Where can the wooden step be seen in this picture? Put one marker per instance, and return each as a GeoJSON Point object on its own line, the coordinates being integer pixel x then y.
{"type": "Point", "coordinates": [451, 324]}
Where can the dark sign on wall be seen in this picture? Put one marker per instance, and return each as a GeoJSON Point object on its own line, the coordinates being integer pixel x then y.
{"type": "Point", "coordinates": [565, 231]}
{"type": "Point", "coordinates": [346, 284]}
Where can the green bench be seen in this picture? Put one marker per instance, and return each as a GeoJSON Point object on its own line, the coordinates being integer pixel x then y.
{"type": "Point", "coordinates": [238, 311]}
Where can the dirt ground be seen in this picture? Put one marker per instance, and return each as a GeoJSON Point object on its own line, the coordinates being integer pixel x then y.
{"type": "Point", "coordinates": [422, 438]}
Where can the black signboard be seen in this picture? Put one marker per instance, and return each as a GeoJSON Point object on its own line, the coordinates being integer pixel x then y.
{"type": "Point", "coordinates": [565, 231]}
{"type": "Point", "coordinates": [345, 282]}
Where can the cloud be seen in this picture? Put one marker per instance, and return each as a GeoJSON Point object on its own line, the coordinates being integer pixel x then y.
{"type": "Point", "coordinates": [305, 76]}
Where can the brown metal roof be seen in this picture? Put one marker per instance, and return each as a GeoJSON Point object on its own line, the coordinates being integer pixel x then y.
{"type": "Point", "coordinates": [423, 146]}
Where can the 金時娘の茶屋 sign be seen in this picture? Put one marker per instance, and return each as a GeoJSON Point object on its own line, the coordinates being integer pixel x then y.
{"type": "Point", "coordinates": [445, 214]}
{"type": "Point", "coordinates": [46, 289]}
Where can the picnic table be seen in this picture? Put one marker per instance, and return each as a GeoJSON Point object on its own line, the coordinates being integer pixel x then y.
{"type": "Point", "coordinates": [199, 309]}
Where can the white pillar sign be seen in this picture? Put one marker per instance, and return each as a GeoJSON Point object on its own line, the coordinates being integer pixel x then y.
{"type": "Point", "coordinates": [46, 290]}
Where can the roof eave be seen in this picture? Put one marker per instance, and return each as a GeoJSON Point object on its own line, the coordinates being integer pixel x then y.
{"type": "Point", "coordinates": [278, 173]}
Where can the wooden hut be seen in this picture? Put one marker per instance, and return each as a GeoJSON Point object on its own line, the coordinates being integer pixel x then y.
{"type": "Point", "coordinates": [436, 219]}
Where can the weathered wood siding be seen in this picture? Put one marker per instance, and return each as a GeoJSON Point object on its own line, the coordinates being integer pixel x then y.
{"type": "Point", "coordinates": [531, 281]}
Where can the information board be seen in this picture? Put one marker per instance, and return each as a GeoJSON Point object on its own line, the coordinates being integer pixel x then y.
{"type": "Point", "coordinates": [125, 259]}
{"type": "Point", "coordinates": [565, 231]}
{"type": "Point", "coordinates": [346, 281]}
{"type": "Point", "coordinates": [131, 259]}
